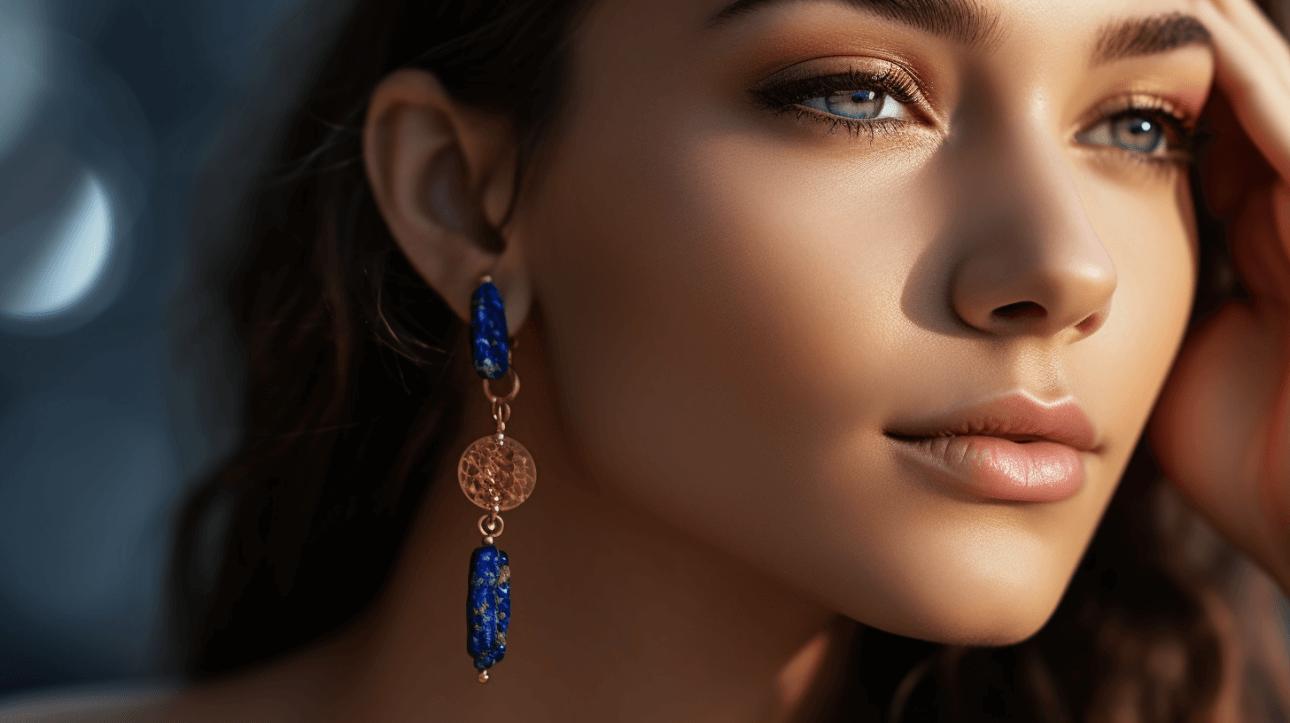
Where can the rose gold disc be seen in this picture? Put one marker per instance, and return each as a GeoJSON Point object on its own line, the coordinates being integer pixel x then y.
{"type": "Point", "coordinates": [504, 468]}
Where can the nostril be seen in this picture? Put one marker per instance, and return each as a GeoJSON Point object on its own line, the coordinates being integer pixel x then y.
{"type": "Point", "coordinates": [1090, 323]}
{"type": "Point", "coordinates": [1021, 310]}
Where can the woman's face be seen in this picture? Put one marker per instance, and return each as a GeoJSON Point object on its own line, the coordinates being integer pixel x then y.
{"type": "Point", "coordinates": [738, 302]}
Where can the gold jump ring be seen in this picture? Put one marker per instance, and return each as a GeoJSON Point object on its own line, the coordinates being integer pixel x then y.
{"type": "Point", "coordinates": [501, 411]}
{"type": "Point", "coordinates": [495, 526]}
{"type": "Point", "coordinates": [515, 387]}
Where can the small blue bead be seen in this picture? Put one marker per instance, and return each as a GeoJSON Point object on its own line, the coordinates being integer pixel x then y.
{"type": "Point", "coordinates": [490, 343]}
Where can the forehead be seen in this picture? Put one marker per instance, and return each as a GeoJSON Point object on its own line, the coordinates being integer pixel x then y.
{"type": "Point", "coordinates": [680, 28]}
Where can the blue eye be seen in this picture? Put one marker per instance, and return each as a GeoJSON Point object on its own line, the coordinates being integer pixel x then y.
{"type": "Point", "coordinates": [862, 104]}
{"type": "Point", "coordinates": [1147, 132]}
{"type": "Point", "coordinates": [861, 101]}
{"type": "Point", "coordinates": [1137, 133]}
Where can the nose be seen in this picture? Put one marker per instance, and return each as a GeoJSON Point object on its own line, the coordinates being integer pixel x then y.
{"type": "Point", "coordinates": [1031, 262]}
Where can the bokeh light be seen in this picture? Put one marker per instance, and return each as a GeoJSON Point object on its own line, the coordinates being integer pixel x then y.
{"type": "Point", "coordinates": [54, 260]}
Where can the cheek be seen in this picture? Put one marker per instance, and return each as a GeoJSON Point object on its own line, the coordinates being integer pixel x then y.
{"type": "Point", "coordinates": [716, 307]}
{"type": "Point", "coordinates": [1151, 236]}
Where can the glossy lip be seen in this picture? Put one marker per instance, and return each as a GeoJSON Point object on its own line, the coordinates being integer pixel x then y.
{"type": "Point", "coordinates": [1011, 447]}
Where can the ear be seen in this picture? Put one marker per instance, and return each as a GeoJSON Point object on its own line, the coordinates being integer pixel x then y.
{"type": "Point", "coordinates": [442, 175]}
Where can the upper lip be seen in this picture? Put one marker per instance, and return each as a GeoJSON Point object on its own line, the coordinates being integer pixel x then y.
{"type": "Point", "coordinates": [1015, 416]}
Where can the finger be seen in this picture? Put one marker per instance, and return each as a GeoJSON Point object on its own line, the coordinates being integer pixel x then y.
{"type": "Point", "coordinates": [1260, 101]}
{"type": "Point", "coordinates": [1251, 20]}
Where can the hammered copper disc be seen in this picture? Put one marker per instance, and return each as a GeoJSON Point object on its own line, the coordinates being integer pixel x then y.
{"type": "Point", "coordinates": [504, 468]}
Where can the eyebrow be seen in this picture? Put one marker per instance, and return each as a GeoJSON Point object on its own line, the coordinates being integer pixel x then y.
{"type": "Point", "coordinates": [1148, 35]}
{"type": "Point", "coordinates": [967, 22]}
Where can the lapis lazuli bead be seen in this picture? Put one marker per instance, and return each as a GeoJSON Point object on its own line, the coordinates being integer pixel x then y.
{"type": "Point", "coordinates": [488, 606]}
{"type": "Point", "coordinates": [489, 336]}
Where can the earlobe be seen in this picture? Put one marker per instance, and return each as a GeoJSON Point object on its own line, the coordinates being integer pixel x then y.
{"type": "Point", "coordinates": [436, 169]}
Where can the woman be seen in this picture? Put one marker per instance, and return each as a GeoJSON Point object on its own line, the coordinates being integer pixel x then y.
{"type": "Point", "coordinates": [867, 351]}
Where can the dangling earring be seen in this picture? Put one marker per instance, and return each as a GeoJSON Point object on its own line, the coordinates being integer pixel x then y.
{"type": "Point", "coordinates": [496, 473]}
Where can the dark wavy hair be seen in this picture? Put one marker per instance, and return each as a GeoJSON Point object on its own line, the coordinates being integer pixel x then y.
{"type": "Point", "coordinates": [342, 414]}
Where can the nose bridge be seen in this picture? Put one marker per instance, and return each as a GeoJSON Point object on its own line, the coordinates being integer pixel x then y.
{"type": "Point", "coordinates": [1031, 261]}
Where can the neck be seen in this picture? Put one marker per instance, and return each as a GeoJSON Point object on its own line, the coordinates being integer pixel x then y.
{"type": "Point", "coordinates": [616, 615]}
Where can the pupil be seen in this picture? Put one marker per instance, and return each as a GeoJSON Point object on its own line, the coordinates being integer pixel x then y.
{"type": "Point", "coordinates": [859, 104]}
{"type": "Point", "coordinates": [1138, 134]}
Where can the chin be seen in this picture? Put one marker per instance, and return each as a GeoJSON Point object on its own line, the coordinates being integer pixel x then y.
{"type": "Point", "coordinates": [1007, 629]}
{"type": "Point", "coordinates": [976, 613]}
{"type": "Point", "coordinates": [991, 621]}
{"type": "Point", "coordinates": [973, 627]}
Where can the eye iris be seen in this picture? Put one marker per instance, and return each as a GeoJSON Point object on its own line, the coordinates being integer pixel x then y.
{"type": "Point", "coordinates": [1137, 133]}
{"type": "Point", "coordinates": [858, 104]}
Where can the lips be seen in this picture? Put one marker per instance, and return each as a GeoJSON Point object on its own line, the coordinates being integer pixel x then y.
{"type": "Point", "coordinates": [1013, 416]}
{"type": "Point", "coordinates": [1012, 447]}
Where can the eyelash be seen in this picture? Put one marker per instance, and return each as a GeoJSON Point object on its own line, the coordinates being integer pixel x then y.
{"type": "Point", "coordinates": [787, 96]}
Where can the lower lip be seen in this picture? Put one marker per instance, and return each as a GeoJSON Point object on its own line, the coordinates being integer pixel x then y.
{"type": "Point", "coordinates": [1001, 469]}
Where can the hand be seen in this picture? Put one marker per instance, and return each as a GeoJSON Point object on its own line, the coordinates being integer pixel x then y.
{"type": "Point", "coordinates": [1221, 427]}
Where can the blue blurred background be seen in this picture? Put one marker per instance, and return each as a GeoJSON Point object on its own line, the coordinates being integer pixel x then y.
{"type": "Point", "coordinates": [109, 109]}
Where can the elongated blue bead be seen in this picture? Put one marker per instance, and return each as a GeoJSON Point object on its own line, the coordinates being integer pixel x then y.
{"type": "Point", "coordinates": [490, 343]}
{"type": "Point", "coordinates": [488, 606]}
